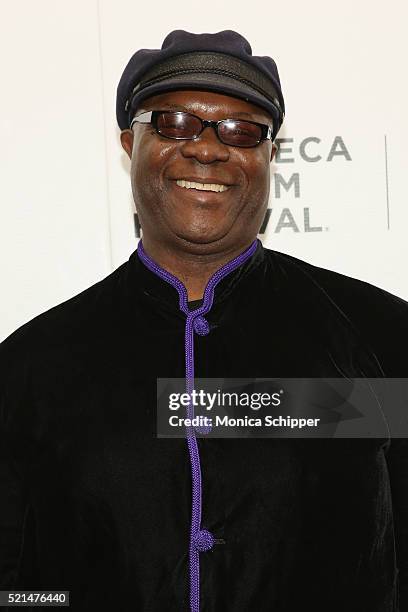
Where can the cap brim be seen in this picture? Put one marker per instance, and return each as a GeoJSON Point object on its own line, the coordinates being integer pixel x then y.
{"type": "Point", "coordinates": [210, 82]}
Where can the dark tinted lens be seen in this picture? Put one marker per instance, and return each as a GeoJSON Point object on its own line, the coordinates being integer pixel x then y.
{"type": "Point", "coordinates": [240, 133]}
{"type": "Point", "coordinates": [178, 125]}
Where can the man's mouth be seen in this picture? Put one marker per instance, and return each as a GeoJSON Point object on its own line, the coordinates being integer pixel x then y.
{"type": "Point", "coordinates": [217, 187]}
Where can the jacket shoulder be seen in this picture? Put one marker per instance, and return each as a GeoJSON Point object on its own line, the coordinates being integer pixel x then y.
{"type": "Point", "coordinates": [340, 286]}
{"type": "Point", "coordinates": [70, 320]}
{"type": "Point", "coordinates": [378, 315]}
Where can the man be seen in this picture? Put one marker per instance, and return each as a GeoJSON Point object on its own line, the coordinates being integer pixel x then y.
{"type": "Point", "coordinates": [92, 500]}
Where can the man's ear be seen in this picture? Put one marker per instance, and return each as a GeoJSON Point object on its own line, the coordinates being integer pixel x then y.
{"type": "Point", "coordinates": [126, 138]}
{"type": "Point", "coordinates": [274, 150]}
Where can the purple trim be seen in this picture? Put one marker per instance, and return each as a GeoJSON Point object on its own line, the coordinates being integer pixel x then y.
{"type": "Point", "coordinates": [200, 539]}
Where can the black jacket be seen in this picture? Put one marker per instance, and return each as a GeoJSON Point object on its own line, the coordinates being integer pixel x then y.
{"type": "Point", "coordinates": [91, 501]}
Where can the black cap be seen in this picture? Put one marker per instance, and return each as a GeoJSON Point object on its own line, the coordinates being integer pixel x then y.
{"type": "Point", "coordinates": [220, 62]}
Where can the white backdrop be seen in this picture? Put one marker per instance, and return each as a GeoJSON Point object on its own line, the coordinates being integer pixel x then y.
{"type": "Point", "coordinates": [338, 191]}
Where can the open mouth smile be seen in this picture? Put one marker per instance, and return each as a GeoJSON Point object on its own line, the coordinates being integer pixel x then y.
{"type": "Point", "coordinates": [214, 187]}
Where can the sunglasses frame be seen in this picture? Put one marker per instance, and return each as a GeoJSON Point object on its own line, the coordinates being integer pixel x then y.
{"type": "Point", "coordinates": [151, 117]}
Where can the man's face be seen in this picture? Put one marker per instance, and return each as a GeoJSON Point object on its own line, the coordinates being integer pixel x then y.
{"type": "Point", "coordinates": [192, 219]}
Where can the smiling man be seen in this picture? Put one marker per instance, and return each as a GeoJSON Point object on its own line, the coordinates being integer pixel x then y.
{"type": "Point", "coordinates": [93, 501]}
{"type": "Point", "coordinates": [201, 200]}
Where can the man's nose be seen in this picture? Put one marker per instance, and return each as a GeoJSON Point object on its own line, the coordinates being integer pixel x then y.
{"type": "Point", "coordinates": [206, 148]}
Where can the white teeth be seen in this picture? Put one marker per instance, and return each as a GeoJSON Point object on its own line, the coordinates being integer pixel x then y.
{"type": "Point", "coordinates": [203, 186]}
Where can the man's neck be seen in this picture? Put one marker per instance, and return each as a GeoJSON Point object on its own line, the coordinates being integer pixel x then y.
{"type": "Point", "coordinates": [194, 269]}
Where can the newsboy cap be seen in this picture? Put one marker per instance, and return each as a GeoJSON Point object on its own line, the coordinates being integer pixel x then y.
{"type": "Point", "coordinates": [220, 62]}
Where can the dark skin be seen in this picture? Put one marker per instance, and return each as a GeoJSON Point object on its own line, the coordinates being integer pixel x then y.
{"type": "Point", "coordinates": [189, 232]}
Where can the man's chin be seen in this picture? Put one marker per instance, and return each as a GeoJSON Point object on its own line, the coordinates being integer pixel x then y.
{"type": "Point", "coordinates": [201, 237]}
{"type": "Point", "coordinates": [200, 227]}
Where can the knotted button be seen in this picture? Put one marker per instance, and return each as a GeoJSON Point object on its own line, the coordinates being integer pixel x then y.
{"type": "Point", "coordinates": [203, 540]}
{"type": "Point", "coordinates": [203, 429]}
{"type": "Point", "coordinates": [201, 326]}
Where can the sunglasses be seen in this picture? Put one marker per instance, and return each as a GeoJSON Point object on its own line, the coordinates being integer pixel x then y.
{"type": "Point", "coordinates": [185, 126]}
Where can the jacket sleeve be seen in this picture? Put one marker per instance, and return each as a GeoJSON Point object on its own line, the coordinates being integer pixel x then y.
{"type": "Point", "coordinates": [392, 354]}
{"type": "Point", "coordinates": [382, 319]}
{"type": "Point", "coordinates": [397, 460]}
{"type": "Point", "coordinates": [13, 467]}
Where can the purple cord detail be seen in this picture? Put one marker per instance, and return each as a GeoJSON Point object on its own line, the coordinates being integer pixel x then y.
{"type": "Point", "coordinates": [201, 326]}
{"type": "Point", "coordinates": [204, 540]}
{"type": "Point", "coordinates": [197, 539]}
{"type": "Point", "coordinates": [203, 429]}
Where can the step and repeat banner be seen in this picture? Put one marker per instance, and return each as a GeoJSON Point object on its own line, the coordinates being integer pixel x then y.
{"type": "Point", "coordinates": [338, 194]}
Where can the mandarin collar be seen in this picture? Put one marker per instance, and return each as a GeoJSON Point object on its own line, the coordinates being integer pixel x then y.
{"type": "Point", "coordinates": [150, 286]}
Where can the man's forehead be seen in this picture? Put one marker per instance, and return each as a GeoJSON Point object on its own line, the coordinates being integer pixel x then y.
{"type": "Point", "coordinates": [205, 101]}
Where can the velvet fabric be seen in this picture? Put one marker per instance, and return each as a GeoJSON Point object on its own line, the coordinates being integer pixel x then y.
{"type": "Point", "coordinates": [94, 503]}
